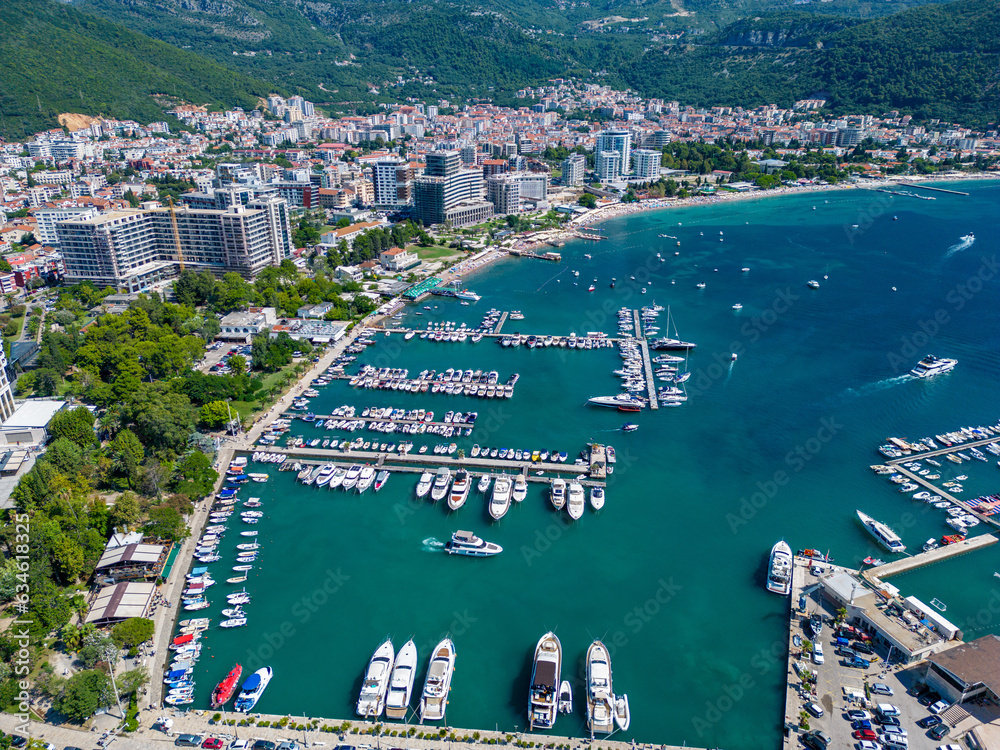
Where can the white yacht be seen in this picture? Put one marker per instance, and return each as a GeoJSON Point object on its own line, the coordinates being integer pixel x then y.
{"type": "Point", "coordinates": [484, 483]}
{"type": "Point", "coordinates": [351, 477]}
{"type": "Point", "coordinates": [558, 493]}
{"type": "Point", "coordinates": [596, 497]}
{"type": "Point", "coordinates": [543, 693]}
{"type": "Point", "coordinates": [252, 690]}
{"type": "Point", "coordinates": [325, 475]}
{"type": "Point", "coordinates": [779, 569]}
{"type": "Point", "coordinates": [622, 399]}
{"type": "Point", "coordinates": [500, 502]}
{"type": "Point", "coordinates": [600, 699]}
{"type": "Point", "coordinates": [366, 478]}
{"type": "Point", "coordinates": [434, 699]}
{"type": "Point", "coordinates": [575, 502]}
{"type": "Point", "coordinates": [565, 698]}
{"type": "Point", "coordinates": [520, 488]}
{"type": "Point", "coordinates": [397, 702]}
{"type": "Point", "coordinates": [338, 478]}
{"type": "Point", "coordinates": [930, 366]}
{"type": "Point", "coordinates": [623, 717]}
{"type": "Point", "coordinates": [885, 536]}
{"type": "Point", "coordinates": [371, 701]}
{"type": "Point", "coordinates": [424, 484]}
{"type": "Point", "coordinates": [459, 490]}
{"type": "Point", "coordinates": [468, 544]}
{"type": "Point", "coordinates": [441, 483]}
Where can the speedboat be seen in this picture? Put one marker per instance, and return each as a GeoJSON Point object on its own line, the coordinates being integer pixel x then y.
{"type": "Point", "coordinates": [380, 479]}
{"type": "Point", "coordinates": [441, 482]}
{"type": "Point", "coordinates": [459, 490]}
{"type": "Point", "coordinates": [779, 569]}
{"type": "Point", "coordinates": [596, 497]}
{"type": "Point", "coordinates": [484, 483]}
{"type": "Point", "coordinates": [520, 488]}
{"type": "Point", "coordinates": [558, 493]}
{"type": "Point", "coordinates": [543, 696]}
{"type": "Point", "coordinates": [812, 284]}
{"type": "Point", "coordinates": [366, 478]}
{"type": "Point", "coordinates": [467, 543]}
{"type": "Point", "coordinates": [253, 689]}
{"type": "Point", "coordinates": [434, 699]}
{"type": "Point", "coordinates": [930, 366]}
{"type": "Point", "coordinates": [575, 503]}
{"type": "Point", "coordinates": [404, 671]}
{"type": "Point", "coordinates": [600, 707]}
{"type": "Point", "coordinates": [424, 484]}
{"type": "Point", "coordinates": [500, 502]}
{"type": "Point", "coordinates": [565, 698]}
{"type": "Point", "coordinates": [352, 476]}
{"type": "Point", "coordinates": [885, 536]}
{"type": "Point", "coordinates": [623, 716]}
{"type": "Point", "coordinates": [371, 701]}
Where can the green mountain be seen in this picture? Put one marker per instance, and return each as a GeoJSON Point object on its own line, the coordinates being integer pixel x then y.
{"type": "Point", "coordinates": [57, 59]}
{"type": "Point", "coordinates": [940, 61]}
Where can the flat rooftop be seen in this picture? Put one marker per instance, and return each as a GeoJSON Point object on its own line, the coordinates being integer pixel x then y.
{"type": "Point", "coordinates": [33, 414]}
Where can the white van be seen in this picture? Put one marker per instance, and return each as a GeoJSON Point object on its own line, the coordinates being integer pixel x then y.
{"type": "Point", "coordinates": [887, 709]}
{"type": "Point", "coordinates": [817, 653]}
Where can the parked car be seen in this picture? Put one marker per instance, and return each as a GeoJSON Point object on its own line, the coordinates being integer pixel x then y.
{"type": "Point", "coordinates": [865, 734]}
{"type": "Point", "coordinates": [858, 714]}
{"type": "Point", "coordinates": [857, 662]}
{"type": "Point", "coordinates": [888, 721]}
{"type": "Point", "coordinates": [861, 724]}
{"type": "Point", "coordinates": [187, 740]}
{"type": "Point", "coordinates": [212, 743]}
{"type": "Point", "coordinates": [815, 709]}
{"type": "Point", "coordinates": [928, 699]}
{"type": "Point", "coordinates": [940, 731]}
{"type": "Point", "coordinates": [263, 745]}
{"type": "Point", "coordinates": [817, 655]}
{"type": "Point", "coordinates": [939, 707]}
{"type": "Point", "coordinates": [928, 721]}
{"type": "Point", "coordinates": [868, 745]}
{"type": "Point", "coordinates": [862, 647]}
{"type": "Point", "coordinates": [18, 741]}
{"type": "Point", "coordinates": [817, 740]}
{"type": "Point", "coordinates": [880, 688]}
{"type": "Point", "coordinates": [846, 652]}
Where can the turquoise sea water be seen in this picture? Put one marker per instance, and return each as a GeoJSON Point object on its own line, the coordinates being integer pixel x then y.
{"type": "Point", "coordinates": [670, 572]}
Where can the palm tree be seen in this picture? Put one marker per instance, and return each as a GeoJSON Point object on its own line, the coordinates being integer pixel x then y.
{"type": "Point", "coordinates": [71, 636]}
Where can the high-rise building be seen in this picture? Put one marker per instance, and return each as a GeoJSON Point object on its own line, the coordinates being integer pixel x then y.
{"type": "Point", "coordinates": [393, 180]}
{"type": "Point", "coordinates": [6, 394]}
{"type": "Point", "coordinates": [137, 248]}
{"type": "Point", "coordinates": [573, 168]}
{"type": "Point", "coordinates": [448, 193]}
{"type": "Point", "coordinates": [647, 163]}
{"type": "Point", "coordinates": [504, 192]}
{"type": "Point", "coordinates": [608, 165]}
{"type": "Point", "coordinates": [47, 218]}
{"type": "Point", "coordinates": [616, 140]}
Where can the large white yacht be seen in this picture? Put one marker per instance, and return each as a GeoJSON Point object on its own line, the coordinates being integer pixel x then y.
{"type": "Point", "coordinates": [885, 536]}
{"type": "Point", "coordinates": [622, 399]}
{"type": "Point", "coordinates": [459, 490]}
{"type": "Point", "coordinates": [441, 482]}
{"type": "Point", "coordinates": [543, 694]}
{"type": "Point", "coordinates": [253, 689]}
{"type": "Point", "coordinates": [930, 366]}
{"type": "Point", "coordinates": [600, 699]}
{"type": "Point", "coordinates": [424, 484]}
{"type": "Point", "coordinates": [366, 478]}
{"type": "Point", "coordinates": [779, 569]}
{"type": "Point", "coordinates": [351, 477]}
{"type": "Point", "coordinates": [520, 488]}
{"type": "Point", "coordinates": [467, 543]}
{"type": "Point", "coordinates": [325, 474]}
{"type": "Point", "coordinates": [500, 502]}
{"type": "Point", "coordinates": [434, 699]}
{"type": "Point", "coordinates": [576, 502]}
{"type": "Point", "coordinates": [558, 493]}
{"type": "Point", "coordinates": [397, 702]}
{"type": "Point", "coordinates": [371, 701]}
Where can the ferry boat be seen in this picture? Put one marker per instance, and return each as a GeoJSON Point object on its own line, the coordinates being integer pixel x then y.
{"type": "Point", "coordinates": [930, 366]}
{"type": "Point", "coordinates": [543, 695]}
{"type": "Point", "coordinates": [371, 701]}
{"type": "Point", "coordinates": [558, 493]}
{"type": "Point", "coordinates": [459, 490]}
{"type": "Point", "coordinates": [468, 544]}
{"type": "Point", "coordinates": [500, 501]}
{"type": "Point", "coordinates": [424, 484]}
{"type": "Point", "coordinates": [253, 689]}
{"type": "Point", "coordinates": [779, 569]}
{"type": "Point", "coordinates": [565, 698]}
{"type": "Point", "coordinates": [885, 536]}
{"type": "Point", "coordinates": [441, 482]}
{"type": "Point", "coordinates": [434, 699]}
{"type": "Point", "coordinates": [575, 503]}
{"type": "Point", "coordinates": [404, 671]}
{"type": "Point", "coordinates": [600, 708]}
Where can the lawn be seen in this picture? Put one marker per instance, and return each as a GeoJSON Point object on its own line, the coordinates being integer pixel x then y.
{"type": "Point", "coordinates": [436, 252]}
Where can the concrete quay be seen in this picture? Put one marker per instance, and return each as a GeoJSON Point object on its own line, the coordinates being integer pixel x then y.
{"type": "Point", "coordinates": [928, 558]}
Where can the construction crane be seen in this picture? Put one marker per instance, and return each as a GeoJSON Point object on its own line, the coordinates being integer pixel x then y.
{"type": "Point", "coordinates": [177, 234]}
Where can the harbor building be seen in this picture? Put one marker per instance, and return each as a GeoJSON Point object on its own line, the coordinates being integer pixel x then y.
{"type": "Point", "coordinates": [448, 193]}
{"type": "Point", "coordinates": [136, 248]}
{"type": "Point", "coordinates": [970, 671]}
{"type": "Point", "coordinates": [647, 163]}
{"type": "Point", "coordinates": [616, 140]}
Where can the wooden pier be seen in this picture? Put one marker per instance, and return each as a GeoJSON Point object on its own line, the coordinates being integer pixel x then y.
{"type": "Point", "coordinates": [928, 558]}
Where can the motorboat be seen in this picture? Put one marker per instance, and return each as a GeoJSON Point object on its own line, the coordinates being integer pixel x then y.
{"type": "Point", "coordinates": [779, 569]}
{"type": "Point", "coordinates": [812, 284]}
{"type": "Point", "coordinates": [575, 503]}
{"type": "Point", "coordinates": [467, 543]}
{"type": "Point", "coordinates": [520, 490]}
{"type": "Point", "coordinates": [930, 366]}
{"type": "Point", "coordinates": [253, 689]}
{"type": "Point", "coordinates": [543, 692]}
{"type": "Point", "coordinates": [558, 493]}
{"type": "Point", "coordinates": [623, 717]}
{"type": "Point", "coordinates": [614, 402]}
{"type": "Point", "coordinates": [500, 501]}
{"type": "Point", "coordinates": [484, 484]}
{"type": "Point", "coordinates": [600, 706]}
{"type": "Point", "coordinates": [233, 622]}
{"type": "Point", "coordinates": [441, 483]}
{"type": "Point", "coordinates": [404, 671]}
{"type": "Point", "coordinates": [424, 484]}
{"type": "Point", "coordinates": [380, 479]}
{"type": "Point", "coordinates": [337, 480]}
{"type": "Point", "coordinates": [352, 476]}
{"type": "Point", "coordinates": [371, 701]}
{"type": "Point", "coordinates": [596, 497]}
{"type": "Point", "coordinates": [882, 533]}
{"type": "Point", "coordinates": [434, 699]}
{"type": "Point", "coordinates": [459, 490]}
{"type": "Point", "coordinates": [325, 474]}
{"type": "Point", "coordinates": [565, 698]}
{"type": "Point", "coordinates": [366, 478]}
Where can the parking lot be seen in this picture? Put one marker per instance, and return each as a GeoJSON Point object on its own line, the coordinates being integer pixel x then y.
{"type": "Point", "coordinates": [841, 688]}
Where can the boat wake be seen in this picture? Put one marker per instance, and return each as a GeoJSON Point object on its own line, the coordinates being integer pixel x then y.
{"type": "Point", "coordinates": [430, 544]}
{"type": "Point", "coordinates": [965, 244]}
{"type": "Point", "coordinates": [870, 388]}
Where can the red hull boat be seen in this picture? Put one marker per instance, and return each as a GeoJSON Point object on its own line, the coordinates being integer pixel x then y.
{"type": "Point", "coordinates": [225, 689]}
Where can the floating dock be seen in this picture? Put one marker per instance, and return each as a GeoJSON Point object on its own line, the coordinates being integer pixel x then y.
{"type": "Point", "coordinates": [929, 558]}
{"type": "Point", "coordinates": [503, 319]}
